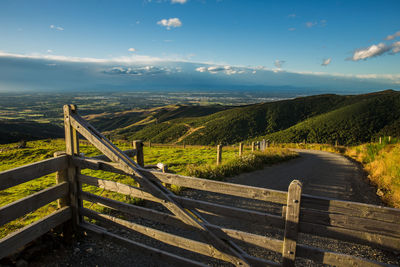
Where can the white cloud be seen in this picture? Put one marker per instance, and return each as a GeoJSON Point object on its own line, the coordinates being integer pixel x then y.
{"type": "Point", "coordinates": [321, 23]}
{"type": "Point", "coordinates": [228, 70]}
{"type": "Point", "coordinates": [178, 1]}
{"type": "Point", "coordinates": [395, 47]}
{"type": "Point", "coordinates": [372, 51]}
{"type": "Point", "coordinates": [119, 60]}
{"type": "Point", "coordinates": [393, 36]}
{"type": "Point", "coordinates": [49, 51]}
{"type": "Point", "coordinates": [310, 24]}
{"type": "Point", "coordinates": [201, 69]}
{"type": "Point", "coordinates": [58, 28]}
{"type": "Point", "coordinates": [279, 63]}
{"type": "Point", "coordinates": [138, 71]}
{"type": "Point", "coordinates": [170, 23]}
{"type": "Point", "coordinates": [131, 49]}
{"type": "Point", "coordinates": [326, 62]}
{"type": "Point", "coordinates": [292, 29]}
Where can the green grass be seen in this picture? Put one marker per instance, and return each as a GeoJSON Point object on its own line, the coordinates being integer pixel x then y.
{"type": "Point", "coordinates": [178, 160]}
{"type": "Point", "coordinates": [248, 162]}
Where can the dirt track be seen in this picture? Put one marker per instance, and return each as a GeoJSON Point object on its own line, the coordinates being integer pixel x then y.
{"type": "Point", "coordinates": [322, 174]}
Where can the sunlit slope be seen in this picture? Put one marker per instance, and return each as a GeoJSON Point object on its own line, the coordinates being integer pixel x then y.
{"type": "Point", "coordinates": [323, 118]}
{"type": "Point", "coordinates": [353, 124]}
{"type": "Point", "coordinates": [236, 124]}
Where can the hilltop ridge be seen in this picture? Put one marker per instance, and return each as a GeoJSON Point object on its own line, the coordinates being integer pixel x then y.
{"type": "Point", "coordinates": [350, 119]}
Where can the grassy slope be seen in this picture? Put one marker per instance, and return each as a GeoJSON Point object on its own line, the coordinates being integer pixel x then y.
{"type": "Point", "coordinates": [323, 118]}
{"type": "Point", "coordinates": [352, 124]}
{"type": "Point", "coordinates": [240, 123]}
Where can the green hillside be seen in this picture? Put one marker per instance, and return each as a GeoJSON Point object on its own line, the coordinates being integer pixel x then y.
{"type": "Point", "coordinates": [322, 118]}
{"type": "Point", "coordinates": [350, 119]}
{"type": "Point", "coordinates": [17, 130]}
{"type": "Point", "coordinates": [353, 124]}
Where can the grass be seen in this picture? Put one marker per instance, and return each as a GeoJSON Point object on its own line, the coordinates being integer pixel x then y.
{"type": "Point", "coordinates": [179, 160]}
{"type": "Point", "coordinates": [248, 162]}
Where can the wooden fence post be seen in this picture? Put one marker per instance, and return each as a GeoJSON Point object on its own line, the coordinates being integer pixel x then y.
{"type": "Point", "coordinates": [62, 176]}
{"type": "Point", "coordinates": [138, 145]}
{"type": "Point", "coordinates": [380, 140]}
{"type": "Point", "coordinates": [240, 149]}
{"type": "Point", "coordinates": [291, 223]}
{"type": "Point", "coordinates": [253, 146]}
{"type": "Point", "coordinates": [149, 143]}
{"type": "Point", "coordinates": [336, 143]}
{"type": "Point", "coordinates": [389, 139]}
{"type": "Point", "coordinates": [219, 154]}
{"type": "Point", "coordinates": [72, 149]}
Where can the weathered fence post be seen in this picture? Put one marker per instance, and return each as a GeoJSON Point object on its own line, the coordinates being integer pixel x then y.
{"type": "Point", "coordinates": [336, 143]}
{"type": "Point", "coordinates": [72, 149]}
{"type": "Point", "coordinates": [380, 140]}
{"type": "Point", "coordinates": [62, 176]}
{"type": "Point", "coordinates": [389, 138]}
{"type": "Point", "coordinates": [263, 145]}
{"type": "Point", "coordinates": [291, 223]}
{"type": "Point", "coordinates": [253, 146]}
{"type": "Point", "coordinates": [138, 145]}
{"type": "Point", "coordinates": [219, 154]}
{"type": "Point", "coordinates": [240, 149]}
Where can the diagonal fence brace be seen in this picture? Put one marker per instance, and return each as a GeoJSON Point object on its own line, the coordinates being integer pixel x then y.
{"type": "Point", "coordinates": [157, 189]}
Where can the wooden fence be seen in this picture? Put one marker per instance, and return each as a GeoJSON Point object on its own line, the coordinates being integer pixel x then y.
{"type": "Point", "coordinates": [294, 212]}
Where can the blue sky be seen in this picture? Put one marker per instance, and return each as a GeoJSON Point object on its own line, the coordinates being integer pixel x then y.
{"type": "Point", "coordinates": [296, 40]}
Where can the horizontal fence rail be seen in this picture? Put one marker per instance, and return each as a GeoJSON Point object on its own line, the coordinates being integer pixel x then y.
{"type": "Point", "coordinates": [31, 203]}
{"type": "Point", "coordinates": [274, 245]}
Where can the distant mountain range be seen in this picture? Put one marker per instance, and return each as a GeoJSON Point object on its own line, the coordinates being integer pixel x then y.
{"type": "Point", "coordinates": [350, 119]}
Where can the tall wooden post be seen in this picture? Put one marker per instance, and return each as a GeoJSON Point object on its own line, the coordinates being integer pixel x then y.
{"type": "Point", "coordinates": [138, 145]}
{"type": "Point", "coordinates": [389, 139]}
{"type": "Point", "coordinates": [253, 146]}
{"type": "Point", "coordinates": [240, 149]}
{"type": "Point", "coordinates": [219, 154]}
{"type": "Point", "coordinates": [291, 223]}
{"type": "Point", "coordinates": [62, 176]}
{"type": "Point", "coordinates": [380, 140]}
{"type": "Point", "coordinates": [336, 143]}
{"type": "Point", "coordinates": [72, 149]}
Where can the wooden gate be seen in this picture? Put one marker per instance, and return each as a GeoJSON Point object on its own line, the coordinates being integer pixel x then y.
{"type": "Point", "coordinates": [291, 212]}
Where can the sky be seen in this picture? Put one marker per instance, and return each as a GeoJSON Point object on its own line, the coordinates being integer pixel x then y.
{"type": "Point", "coordinates": [328, 46]}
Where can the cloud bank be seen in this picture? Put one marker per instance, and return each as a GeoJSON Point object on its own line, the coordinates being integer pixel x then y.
{"type": "Point", "coordinates": [55, 72]}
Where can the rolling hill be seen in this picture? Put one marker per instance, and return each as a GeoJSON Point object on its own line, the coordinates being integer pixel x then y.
{"type": "Point", "coordinates": [323, 118]}
{"type": "Point", "coordinates": [350, 119]}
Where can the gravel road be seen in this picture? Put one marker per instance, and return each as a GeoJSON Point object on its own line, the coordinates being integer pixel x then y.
{"type": "Point", "coordinates": [322, 173]}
